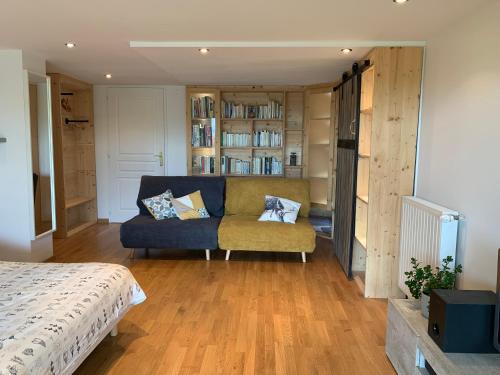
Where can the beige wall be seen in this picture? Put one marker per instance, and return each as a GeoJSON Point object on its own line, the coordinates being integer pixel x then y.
{"type": "Point", "coordinates": [460, 137]}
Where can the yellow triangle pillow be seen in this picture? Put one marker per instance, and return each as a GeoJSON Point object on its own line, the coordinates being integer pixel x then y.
{"type": "Point", "coordinates": [190, 206]}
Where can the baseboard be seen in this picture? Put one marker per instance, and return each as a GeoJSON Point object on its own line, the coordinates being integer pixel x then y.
{"type": "Point", "coordinates": [102, 221]}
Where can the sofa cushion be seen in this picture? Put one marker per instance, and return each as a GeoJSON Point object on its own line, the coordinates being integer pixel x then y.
{"type": "Point", "coordinates": [143, 231]}
{"type": "Point", "coordinates": [246, 196]}
{"type": "Point", "coordinates": [245, 232]}
{"type": "Point", "coordinates": [212, 190]}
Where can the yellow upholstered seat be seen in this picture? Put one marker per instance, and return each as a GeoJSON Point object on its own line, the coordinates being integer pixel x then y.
{"type": "Point", "coordinates": [245, 232]}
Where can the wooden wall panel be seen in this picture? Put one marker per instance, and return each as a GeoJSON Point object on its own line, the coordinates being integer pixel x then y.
{"type": "Point", "coordinates": [396, 101]}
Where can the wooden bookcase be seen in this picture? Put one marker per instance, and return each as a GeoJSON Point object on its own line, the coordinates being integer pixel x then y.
{"type": "Point", "coordinates": [236, 122]}
{"type": "Point", "coordinates": [294, 133]}
{"type": "Point", "coordinates": [319, 150]}
{"type": "Point", "coordinates": [74, 155]}
{"type": "Point", "coordinates": [199, 153]}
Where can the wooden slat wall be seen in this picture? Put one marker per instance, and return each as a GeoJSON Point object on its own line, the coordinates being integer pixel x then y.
{"type": "Point", "coordinates": [398, 74]}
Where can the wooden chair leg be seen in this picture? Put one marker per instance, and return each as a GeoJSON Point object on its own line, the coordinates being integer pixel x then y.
{"type": "Point", "coordinates": [228, 253]}
{"type": "Point", "coordinates": [303, 257]}
{"type": "Point", "coordinates": [207, 254]}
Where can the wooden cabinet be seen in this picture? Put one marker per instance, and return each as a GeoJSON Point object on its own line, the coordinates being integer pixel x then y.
{"type": "Point", "coordinates": [74, 155]}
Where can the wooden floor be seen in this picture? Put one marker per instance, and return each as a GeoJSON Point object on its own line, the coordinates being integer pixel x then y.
{"type": "Point", "coordinates": [256, 314]}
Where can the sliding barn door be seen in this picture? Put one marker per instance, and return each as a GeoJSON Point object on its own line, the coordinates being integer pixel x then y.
{"type": "Point", "coordinates": [345, 196]}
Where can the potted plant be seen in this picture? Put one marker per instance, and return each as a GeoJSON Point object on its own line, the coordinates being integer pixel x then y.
{"type": "Point", "coordinates": [421, 280]}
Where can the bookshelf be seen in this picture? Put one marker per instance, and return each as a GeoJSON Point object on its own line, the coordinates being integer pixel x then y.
{"type": "Point", "coordinates": [294, 133]}
{"type": "Point", "coordinates": [74, 155]}
{"type": "Point", "coordinates": [319, 136]}
{"type": "Point", "coordinates": [363, 174]}
{"type": "Point", "coordinates": [202, 107]}
{"type": "Point", "coordinates": [252, 132]}
{"type": "Point", "coordinates": [256, 129]}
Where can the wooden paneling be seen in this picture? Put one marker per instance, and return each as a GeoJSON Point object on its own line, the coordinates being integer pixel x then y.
{"type": "Point", "coordinates": [396, 100]}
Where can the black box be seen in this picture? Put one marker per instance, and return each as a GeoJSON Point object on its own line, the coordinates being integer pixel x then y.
{"type": "Point", "coordinates": [462, 321]}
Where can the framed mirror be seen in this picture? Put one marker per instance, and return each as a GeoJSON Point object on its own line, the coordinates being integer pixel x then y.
{"type": "Point", "coordinates": [39, 118]}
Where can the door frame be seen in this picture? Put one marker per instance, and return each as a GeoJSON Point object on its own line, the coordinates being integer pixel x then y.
{"type": "Point", "coordinates": [109, 163]}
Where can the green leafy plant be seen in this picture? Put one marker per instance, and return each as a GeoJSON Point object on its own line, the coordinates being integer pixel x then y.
{"type": "Point", "coordinates": [423, 279]}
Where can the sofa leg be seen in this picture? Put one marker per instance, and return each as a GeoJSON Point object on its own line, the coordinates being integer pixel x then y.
{"type": "Point", "coordinates": [132, 254]}
{"type": "Point", "coordinates": [228, 253]}
{"type": "Point", "coordinates": [146, 251]}
{"type": "Point", "coordinates": [114, 331]}
{"type": "Point", "coordinates": [207, 254]}
{"type": "Point", "coordinates": [303, 257]}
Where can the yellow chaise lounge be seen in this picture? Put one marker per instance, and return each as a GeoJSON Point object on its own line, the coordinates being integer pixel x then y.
{"type": "Point", "coordinates": [241, 230]}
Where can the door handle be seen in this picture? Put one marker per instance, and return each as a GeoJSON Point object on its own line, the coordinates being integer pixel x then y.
{"type": "Point", "coordinates": [160, 156]}
{"type": "Point", "coordinates": [352, 127]}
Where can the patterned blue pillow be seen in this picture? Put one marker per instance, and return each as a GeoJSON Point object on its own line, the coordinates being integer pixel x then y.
{"type": "Point", "coordinates": [160, 206]}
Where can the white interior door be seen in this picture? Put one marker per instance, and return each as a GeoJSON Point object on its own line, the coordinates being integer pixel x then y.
{"type": "Point", "coordinates": [136, 123]}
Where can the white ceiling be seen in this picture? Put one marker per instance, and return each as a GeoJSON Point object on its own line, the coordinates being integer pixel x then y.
{"type": "Point", "coordinates": [103, 29]}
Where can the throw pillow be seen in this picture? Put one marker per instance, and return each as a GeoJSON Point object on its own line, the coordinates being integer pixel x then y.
{"type": "Point", "coordinates": [280, 209]}
{"type": "Point", "coordinates": [190, 206]}
{"type": "Point", "coordinates": [160, 206]}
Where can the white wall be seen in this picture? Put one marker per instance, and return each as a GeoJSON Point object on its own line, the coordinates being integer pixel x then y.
{"type": "Point", "coordinates": [459, 163]}
{"type": "Point", "coordinates": [16, 186]}
{"type": "Point", "coordinates": [175, 145]}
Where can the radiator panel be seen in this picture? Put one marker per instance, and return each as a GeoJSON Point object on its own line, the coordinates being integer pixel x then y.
{"type": "Point", "coordinates": [428, 233]}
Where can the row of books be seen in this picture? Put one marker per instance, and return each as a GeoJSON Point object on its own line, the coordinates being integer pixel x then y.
{"type": "Point", "coordinates": [202, 107]}
{"type": "Point", "coordinates": [235, 139]}
{"type": "Point", "coordinates": [267, 165]}
{"type": "Point", "coordinates": [203, 164]}
{"type": "Point", "coordinates": [266, 138]}
{"type": "Point", "coordinates": [201, 135]}
{"type": "Point", "coordinates": [272, 110]}
{"type": "Point", "coordinates": [230, 165]}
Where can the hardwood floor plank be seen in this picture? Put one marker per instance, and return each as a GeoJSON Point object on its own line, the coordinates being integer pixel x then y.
{"type": "Point", "coordinates": [259, 313]}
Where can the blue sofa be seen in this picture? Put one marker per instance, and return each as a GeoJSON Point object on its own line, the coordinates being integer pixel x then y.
{"type": "Point", "coordinates": [143, 231]}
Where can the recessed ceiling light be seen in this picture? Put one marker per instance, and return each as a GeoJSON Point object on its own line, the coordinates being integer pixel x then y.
{"type": "Point", "coordinates": [400, 1]}
{"type": "Point", "coordinates": [70, 44]}
{"type": "Point", "coordinates": [108, 76]}
{"type": "Point", "coordinates": [346, 51]}
{"type": "Point", "coordinates": [203, 51]}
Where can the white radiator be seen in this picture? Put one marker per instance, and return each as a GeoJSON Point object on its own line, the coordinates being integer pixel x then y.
{"type": "Point", "coordinates": [428, 233]}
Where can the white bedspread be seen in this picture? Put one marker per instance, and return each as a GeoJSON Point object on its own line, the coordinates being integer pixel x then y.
{"type": "Point", "coordinates": [50, 314]}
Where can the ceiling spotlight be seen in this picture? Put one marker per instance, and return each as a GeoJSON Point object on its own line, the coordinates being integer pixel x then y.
{"type": "Point", "coordinates": [346, 51]}
{"type": "Point", "coordinates": [203, 51]}
{"type": "Point", "coordinates": [70, 45]}
{"type": "Point", "coordinates": [400, 1]}
{"type": "Point", "coordinates": [108, 76]}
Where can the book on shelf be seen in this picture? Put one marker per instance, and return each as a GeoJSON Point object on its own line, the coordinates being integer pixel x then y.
{"type": "Point", "coordinates": [272, 110]}
{"type": "Point", "coordinates": [203, 164]}
{"type": "Point", "coordinates": [229, 165]}
{"type": "Point", "coordinates": [267, 165]}
{"type": "Point", "coordinates": [202, 134]}
{"type": "Point", "coordinates": [235, 139]}
{"type": "Point", "coordinates": [202, 107]}
{"type": "Point", "coordinates": [266, 138]}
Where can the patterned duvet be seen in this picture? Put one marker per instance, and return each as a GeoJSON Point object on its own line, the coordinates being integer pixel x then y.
{"type": "Point", "coordinates": [50, 314]}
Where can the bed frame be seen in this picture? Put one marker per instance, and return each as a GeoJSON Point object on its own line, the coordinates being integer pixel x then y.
{"type": "Point", "coordinates": [112, 330]}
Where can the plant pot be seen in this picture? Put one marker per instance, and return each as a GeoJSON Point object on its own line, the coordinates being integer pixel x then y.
{"type": "Point", "coordinates": [424, 305]}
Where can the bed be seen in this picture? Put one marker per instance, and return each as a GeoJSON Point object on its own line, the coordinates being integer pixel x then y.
{"type": "Point", "coordinates": [53, 315]}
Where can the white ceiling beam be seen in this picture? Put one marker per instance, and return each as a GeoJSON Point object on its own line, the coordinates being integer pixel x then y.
{"type": "Point", "coordinates": [276, 44]}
